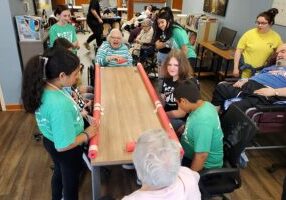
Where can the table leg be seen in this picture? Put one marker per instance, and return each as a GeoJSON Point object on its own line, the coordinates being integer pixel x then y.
{"type": "Point", "coordinates": [95, 178]}
{"type": "Point", "coordinates": [218, 68]}
{"type": "Point", "coordinates": [201, 60]}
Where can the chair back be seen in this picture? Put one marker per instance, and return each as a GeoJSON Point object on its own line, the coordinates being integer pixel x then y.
{"type": "Point", "coordinates": [238, 131]}
{"type": "Point", "coordinates": [85, 9]}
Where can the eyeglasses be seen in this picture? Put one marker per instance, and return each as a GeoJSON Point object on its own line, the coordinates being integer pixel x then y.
{"type": "Point", "coordinates": [115, 38]}
{"type": "Point", "coordinates": [260, 23]}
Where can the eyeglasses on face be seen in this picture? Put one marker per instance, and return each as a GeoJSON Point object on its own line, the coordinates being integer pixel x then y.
{"type": "Point", "coordinates": [115, 38]}
{"type": "Point", "coordinates": [261, 23]}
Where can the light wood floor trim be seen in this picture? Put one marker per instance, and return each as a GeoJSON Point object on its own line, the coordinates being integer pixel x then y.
{"type": "Point", "coordinates": [14, 107]}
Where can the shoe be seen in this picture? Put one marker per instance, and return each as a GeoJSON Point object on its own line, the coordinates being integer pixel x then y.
{"type": "Point", "coordinates": [128, 166]}
{"type": "Point", "coordinates": [86, 45]}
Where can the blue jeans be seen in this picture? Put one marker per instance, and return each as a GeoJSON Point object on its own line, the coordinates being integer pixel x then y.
{"type": "Point", "coordinates": [161, 57]}
{"type": "Point", "coordinates": [177, 123]}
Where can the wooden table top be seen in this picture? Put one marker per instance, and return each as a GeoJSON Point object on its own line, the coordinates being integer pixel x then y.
{"type": "Point", "coordinates": [128, 110]}
{"type": "Point", "coordinates": [226, 54]}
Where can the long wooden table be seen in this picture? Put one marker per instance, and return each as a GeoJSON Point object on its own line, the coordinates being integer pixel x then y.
{"type": "Point", "coordinates": [127, 112]}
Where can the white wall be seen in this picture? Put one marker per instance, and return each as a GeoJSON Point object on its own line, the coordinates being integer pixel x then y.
{"type": "Point", "coordinates": [10, 68]}
{"type": "Point", "coordinates": [240, 14]}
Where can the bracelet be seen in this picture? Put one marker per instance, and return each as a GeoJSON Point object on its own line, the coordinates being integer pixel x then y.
{"type": "Point", "coordinates": [86, 134]}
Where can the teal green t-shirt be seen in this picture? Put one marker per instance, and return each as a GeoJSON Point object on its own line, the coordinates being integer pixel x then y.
{"type": "Point", "coordinates": [67, 31]}
{"type": "Point", "coordinates": [59, 118]}
{"type": "Point", "coordinates": [203, 133]}
{"type": "Point", "coordinates": [180, 38]}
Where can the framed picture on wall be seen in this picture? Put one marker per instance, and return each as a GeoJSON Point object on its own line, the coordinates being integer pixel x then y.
{"type": "Point", "coordinates": [217, 7]}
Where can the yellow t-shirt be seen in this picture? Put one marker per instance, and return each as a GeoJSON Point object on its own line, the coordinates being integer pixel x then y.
{"type": "Point", "coordinates": [257, 47]}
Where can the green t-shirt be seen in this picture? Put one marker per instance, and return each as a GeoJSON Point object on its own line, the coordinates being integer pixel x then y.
{"type": "Point", "coordinates": [67, 31]}
{"type": "Point", "coordinates": [59, 118]}
{"type": "Point", "coordinates": [203, 134]}
{"type": "Point", "coordinates": [180, 38]}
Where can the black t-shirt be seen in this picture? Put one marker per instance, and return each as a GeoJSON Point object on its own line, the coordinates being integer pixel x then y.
{"type": "Point", "coordinates": [94, 4]}
{"type": "Point", "coordinates": [168, 88]}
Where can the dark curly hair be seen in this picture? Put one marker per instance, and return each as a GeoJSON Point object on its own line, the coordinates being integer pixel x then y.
{"type": "Point", "coordinates": [34, 78]}
{"type": "Point", "coordinates": [269, 15]}
{"type": "Point", "coordinates": [164, 13]}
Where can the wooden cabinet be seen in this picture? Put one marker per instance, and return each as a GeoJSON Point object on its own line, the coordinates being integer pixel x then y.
{"type": "Point", "coordinates": [177, 4]}
{"type": "Point", "coordinates": [79, 2]}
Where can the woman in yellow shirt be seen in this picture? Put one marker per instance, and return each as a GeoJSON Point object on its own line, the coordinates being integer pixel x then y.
{"type": "Point", "coordinates": [257, 44]}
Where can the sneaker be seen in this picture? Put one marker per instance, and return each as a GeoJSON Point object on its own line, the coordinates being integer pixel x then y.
{"type": "Point", "coordinates": [86, 45]}
{"type": "Point", "coordinates": [128, 166]}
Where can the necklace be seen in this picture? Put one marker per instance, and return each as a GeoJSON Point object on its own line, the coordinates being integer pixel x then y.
{"type": "Point", "coordinates": [62, 92]}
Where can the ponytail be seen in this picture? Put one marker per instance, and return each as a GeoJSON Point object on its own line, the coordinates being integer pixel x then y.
{"type": "Point", "coordinates": [45, 68]}
{"type": "Point", "coordinates": [33, 84]}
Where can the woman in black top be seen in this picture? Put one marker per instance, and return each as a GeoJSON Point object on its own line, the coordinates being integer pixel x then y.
{"type": "Point", "coordinates": [95, 23]}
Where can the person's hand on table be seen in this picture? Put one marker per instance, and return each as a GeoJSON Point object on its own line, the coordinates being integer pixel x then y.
{"type": "Point", "coordinates": [92, 129]}
{"type": "Point", "coordinates": [118, 59]}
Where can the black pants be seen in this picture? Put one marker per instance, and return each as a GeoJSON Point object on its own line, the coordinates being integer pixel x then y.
{"type": "Point", "coordinates": [193, 62]}
{"type": "Point", "coordinates": [97, 30]}
{"type": "Point", "coordinates": [224, 91]}
{"type": "Point", "coordinates": [67, 168]}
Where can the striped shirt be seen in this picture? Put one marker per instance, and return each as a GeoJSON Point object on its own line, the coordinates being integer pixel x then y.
{"type": "Point", "coordinates": [106, 50]}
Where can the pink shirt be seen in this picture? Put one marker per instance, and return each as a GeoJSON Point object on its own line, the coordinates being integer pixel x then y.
{"type": "Point", "coordinates": [184, 188]}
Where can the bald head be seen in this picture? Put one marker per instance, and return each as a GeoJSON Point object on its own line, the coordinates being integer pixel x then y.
{"type": "Point", "coordinates": [281, 52]}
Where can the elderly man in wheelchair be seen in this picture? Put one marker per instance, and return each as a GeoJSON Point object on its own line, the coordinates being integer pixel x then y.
{"type": "Point", "coordinates": [267, 87]}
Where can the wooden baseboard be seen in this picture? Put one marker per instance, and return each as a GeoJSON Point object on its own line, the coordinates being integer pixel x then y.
{"type": "Point", "coordinates": [14, 107]}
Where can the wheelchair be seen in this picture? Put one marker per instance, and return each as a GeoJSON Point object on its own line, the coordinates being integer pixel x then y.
{"type": "Point", "coordinates": [238, 131]}
{"type": "Point", "coordinates": [147, 57]}
{"type": "Point", "coordinates": [270, 119]}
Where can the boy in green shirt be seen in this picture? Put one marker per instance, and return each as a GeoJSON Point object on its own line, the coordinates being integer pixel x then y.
{"type": "Point", "coordinates": [202, 139]}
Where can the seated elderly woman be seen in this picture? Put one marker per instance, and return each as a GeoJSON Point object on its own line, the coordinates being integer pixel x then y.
{"type": "Point", "coordinates": [144, 37]}
{"type": "Point", "coordinates": [157, 162]}
{"type": "Point", "coordinates": [113, 52]}
{"type": "Point", "coordinates": [267, 87]}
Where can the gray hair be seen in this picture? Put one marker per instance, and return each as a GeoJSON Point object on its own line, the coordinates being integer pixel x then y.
{"type": "Point", "coordinates": [114, 30]}
{"type": "Point", "coordinates": [147, 22]}
{"type": "Point", "coordinates": [156, 158]}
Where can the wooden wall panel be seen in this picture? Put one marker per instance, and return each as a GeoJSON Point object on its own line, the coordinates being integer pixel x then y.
{"type": "Point", "coordinates": [79, 2]}
{"type": "Point", "coordinates": [177, 4]}
{"type": "Point", "coordinates": [150, 1]}
{"type": "Point", "coordinates": [119, 3]}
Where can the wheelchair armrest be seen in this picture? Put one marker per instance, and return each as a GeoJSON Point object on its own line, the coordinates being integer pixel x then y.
{"type": "Point", "coordinates": [219, 171]}
{"type": "Point", "coordinates": [225, 175]}
{"type": "Point", "coordinates": [271, 108]}
{"type": "Point", "coordinates": [231, 80]}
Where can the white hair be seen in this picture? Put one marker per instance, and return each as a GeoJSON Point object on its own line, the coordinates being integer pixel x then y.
{"type": "Point", "coordinates": [114, 30]}
{"type": "Point", "coordinates": [156, 159]}
{"type": "Point", "coordinates": [147, 22]}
